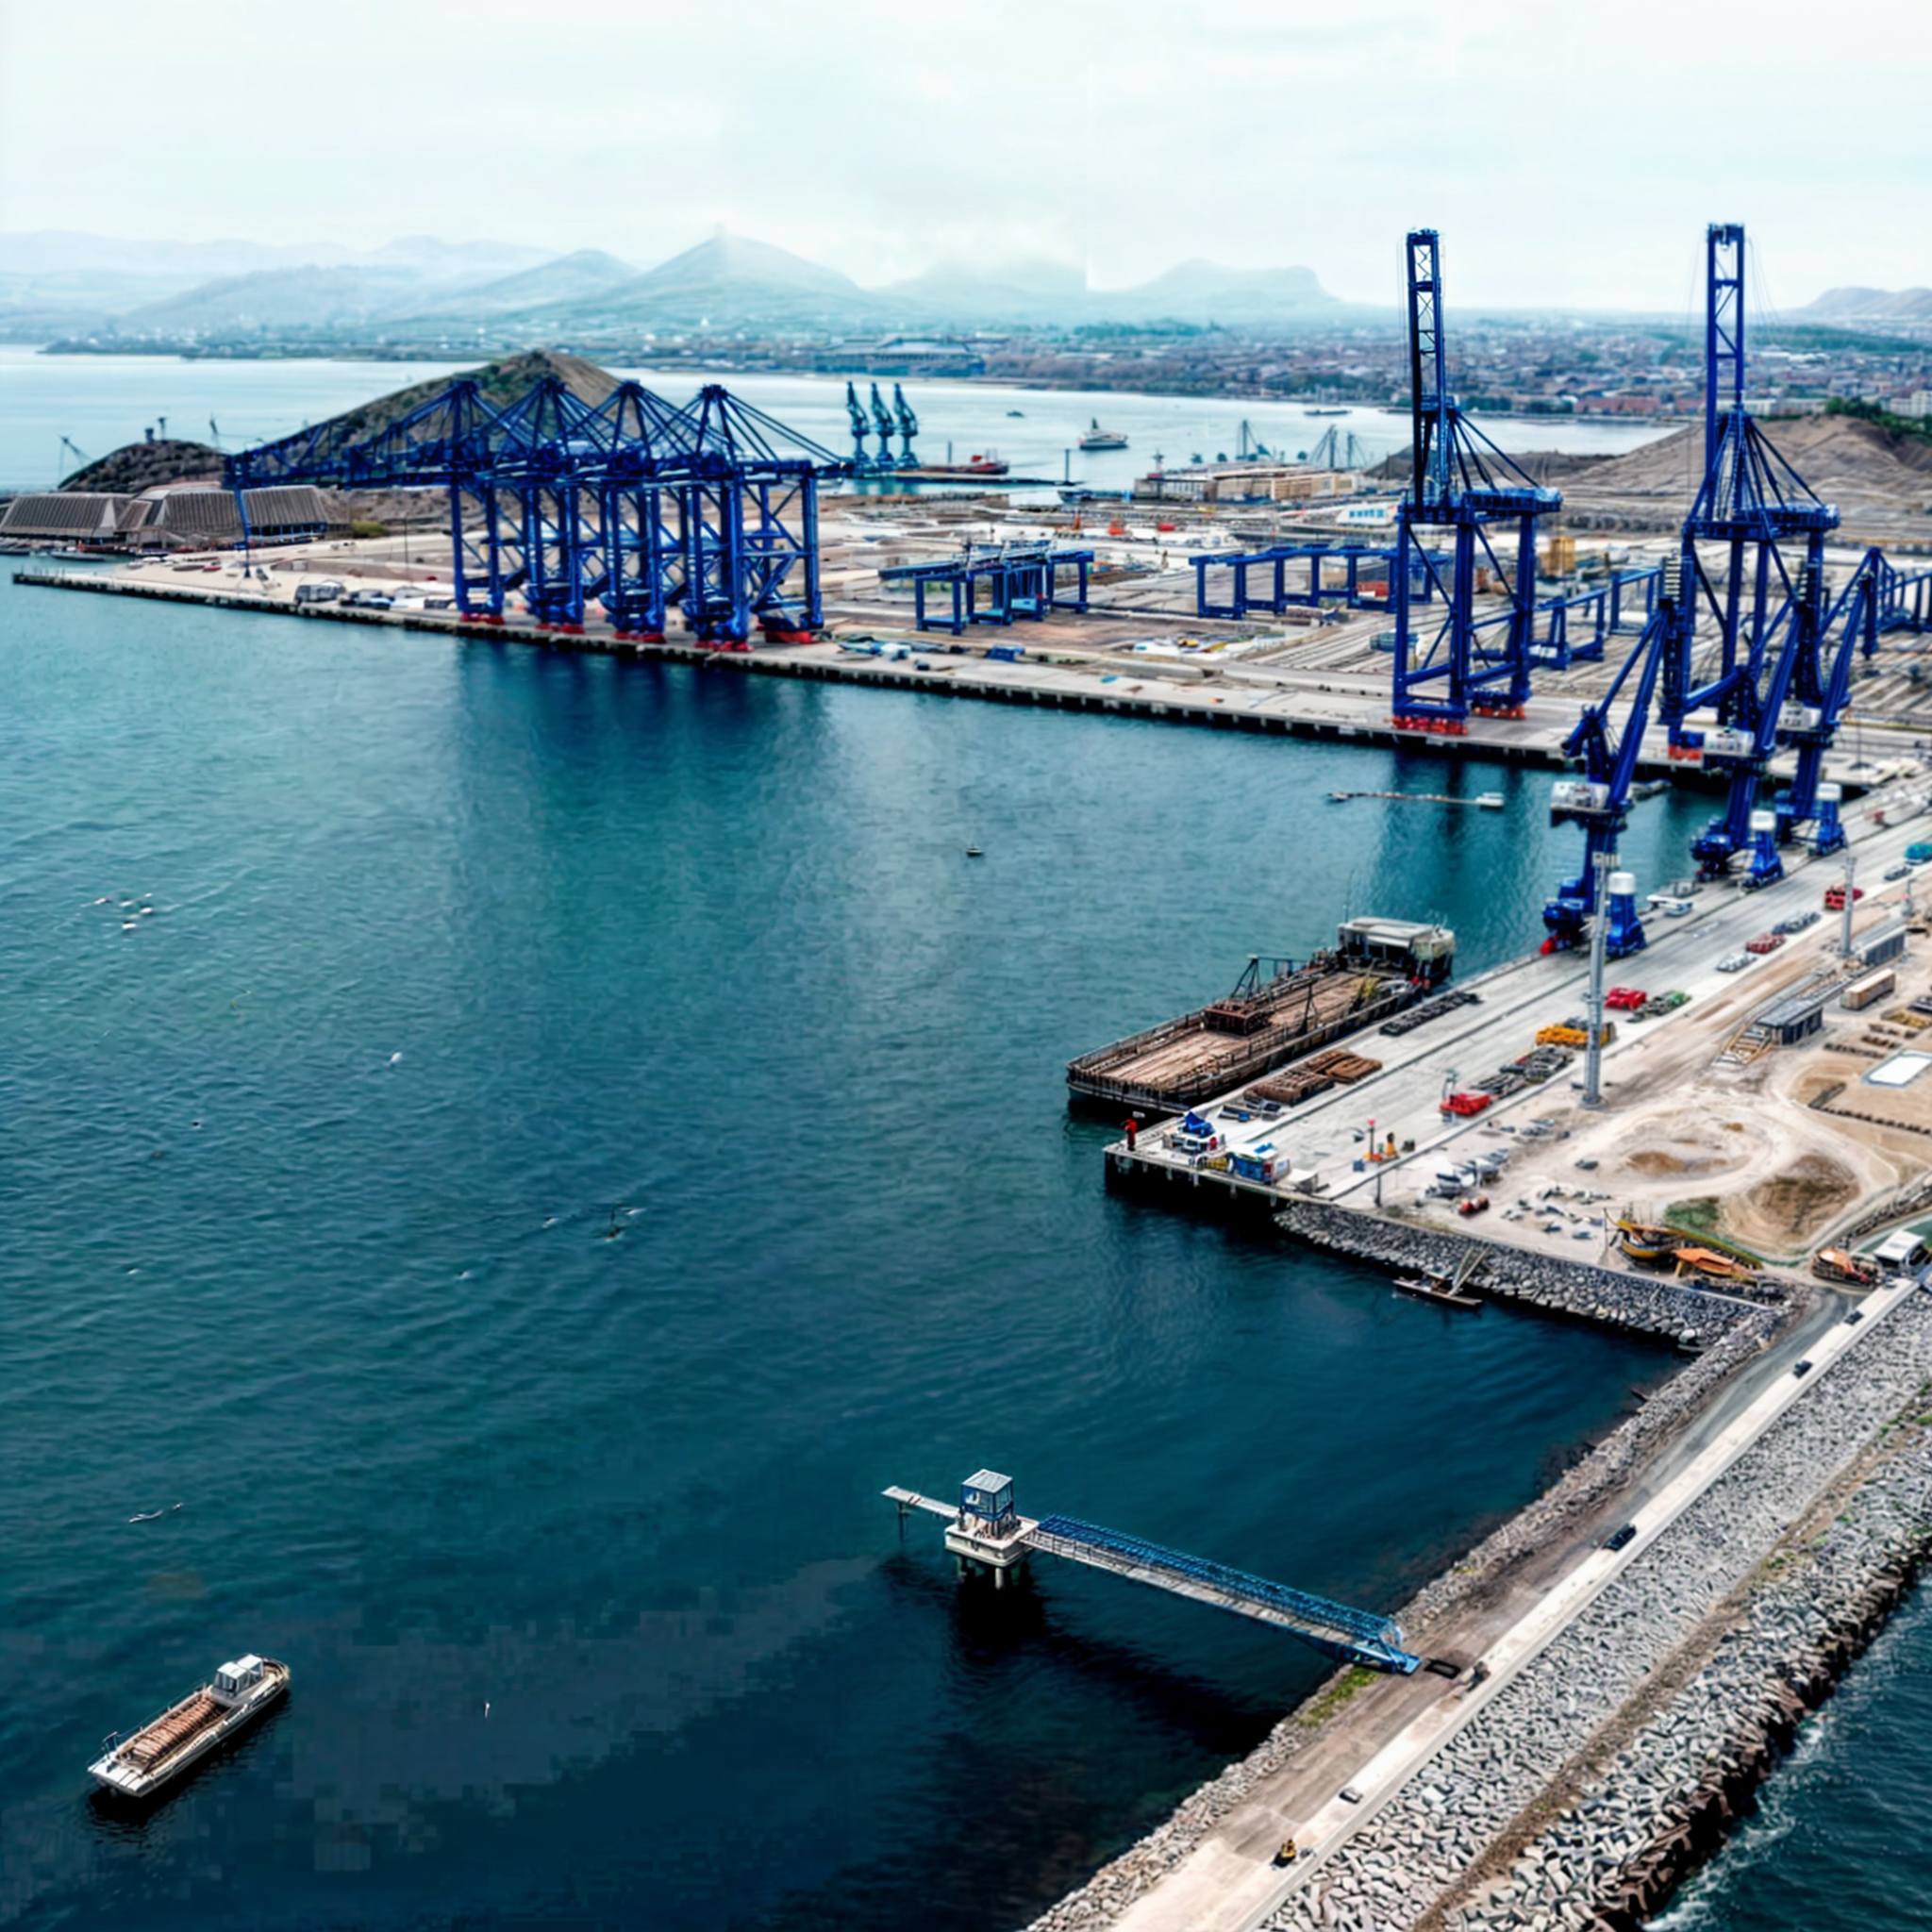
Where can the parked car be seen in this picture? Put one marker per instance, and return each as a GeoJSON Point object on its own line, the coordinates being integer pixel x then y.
{"type": "Point", "coordinates": [1835, 897]}
{"type": "Point", "coordinates": [1900, 870]}
{"type": "Point", "coordinates": [1765, 943]}
{"type": "Point", "coordinates": [1734, 962]}
{"type": "Point", "coordinates": [1620, 1539]}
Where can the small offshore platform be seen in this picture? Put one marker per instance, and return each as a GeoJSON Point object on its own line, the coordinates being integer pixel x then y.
{"type": "Point", "coordinates": [1375, 969]}
{"type": "Point", "coordinates": [987, 1536]}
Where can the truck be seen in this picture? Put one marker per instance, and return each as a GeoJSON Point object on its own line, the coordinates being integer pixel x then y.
{"type": "Point", "coordinates": [1840, 1264]}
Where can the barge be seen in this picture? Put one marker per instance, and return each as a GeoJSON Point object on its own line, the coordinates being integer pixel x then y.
{"type": "Point", "coordinates": [168, 1747]}
{"type": "Point", "coordinates": [1376, 968]}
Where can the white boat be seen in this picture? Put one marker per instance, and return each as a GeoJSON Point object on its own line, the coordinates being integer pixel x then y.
{"type": "Point", "coordinates": [1097, 437]}
{"type": "Point", "coordinates": [166, 1747]}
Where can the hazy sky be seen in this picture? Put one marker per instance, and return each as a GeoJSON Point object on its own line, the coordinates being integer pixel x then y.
{"type": "Point", "coordinates": [1570, 154]}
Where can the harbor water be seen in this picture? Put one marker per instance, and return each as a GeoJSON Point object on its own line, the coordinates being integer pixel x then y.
{"type": "Point", "coordinates": [522, 1147]}
{"type": "Point", "coordinates": [100, 402]}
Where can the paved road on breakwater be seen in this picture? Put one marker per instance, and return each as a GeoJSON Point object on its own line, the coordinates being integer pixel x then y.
{"type": "Point", "coordinates": [1229, 1884]}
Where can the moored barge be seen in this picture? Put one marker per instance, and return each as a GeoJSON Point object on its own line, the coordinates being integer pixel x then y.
{"type": "Point", "coordinates": [1375, 969]}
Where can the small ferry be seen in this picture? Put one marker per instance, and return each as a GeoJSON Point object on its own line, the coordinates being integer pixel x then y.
{"type": "Point", "coordinates": [167, 1747]}
{"type": "Point", "coordinates": [1438, 1289]}
{"type": "Point", "coordinates": [1097, 437]}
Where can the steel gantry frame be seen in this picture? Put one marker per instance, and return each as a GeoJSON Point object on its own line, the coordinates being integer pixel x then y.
{"type": "Point", "coordinates": [632, 503]}
{"type": "Point", "coordinates": [1753, 566]}
{"type": "Point", "coordinates": [1366, 576]}
{"type": "Point", "coordinates": [1463, 485]}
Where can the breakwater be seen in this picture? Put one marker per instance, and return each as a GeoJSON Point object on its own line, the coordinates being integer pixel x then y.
{"type": "Point", "coordinates": [1658, 1796]}
{"type": "Point", "coordinates": [1552, 1518]}
{"type": "Point", "coordinates": [1616, 1759]}
{"type": "Point", "coordinates": [1648, 1305]}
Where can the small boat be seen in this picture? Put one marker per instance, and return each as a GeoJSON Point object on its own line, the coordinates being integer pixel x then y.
{"type": "Point", "coordinates": [1097, 437]}
{"type": "Point", "coordinates": [1648, 1241]}
{"type": "Point", "coordinates": [1335, 413]}
{"type": "Point", "coordinates": [167, 1747]}
{"type": "Point", "coordinates": [1438, 1289]}
{"type": "Point", "coordinates": [1016, 413]}
{"type": "Point", "coordinates": [974, 851]}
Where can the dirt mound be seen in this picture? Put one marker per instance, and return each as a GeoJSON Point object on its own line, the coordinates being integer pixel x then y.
{"type": "Point", "coordinates": [1802, 1198]}
{"type": "Point", "coordinates": [138, 466]}
{"type": "Point", "coordinates": [503, 382]}
{"type": "Point", "coordinates": [1857, 465]}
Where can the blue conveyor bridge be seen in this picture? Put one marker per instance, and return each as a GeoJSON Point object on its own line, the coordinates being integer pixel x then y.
{"type": "Point", "coordinates": [985, 1532]}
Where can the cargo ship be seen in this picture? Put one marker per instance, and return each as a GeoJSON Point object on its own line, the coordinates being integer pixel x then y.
{"type": "Point", "coordinates": [989, 465]}
{"type": "Point", "coordinates": [168, 1747]}
{"type": "Point", "coordinates": [1097, 437]}
{"type": "Point", "coordinates": [1375, 969]}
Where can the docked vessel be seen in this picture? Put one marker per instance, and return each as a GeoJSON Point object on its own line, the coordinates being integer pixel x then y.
{"type": "Point", "coordinates": [987, 465]}
{"type": "Point", "coordinates": [1097, 437]}
{"type": "Point", "coordinates": [1438, 1289]}
{"type": "Point", "coordinates": [1375, 969]}
{"type": "Point", "coordinates": [167, 1747]}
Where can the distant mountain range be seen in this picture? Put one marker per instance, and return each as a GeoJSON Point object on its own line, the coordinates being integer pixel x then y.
{"type": "Point", "coordinates": [422, 290]}
{"type": "Point", "coordinates": [1870, 305]}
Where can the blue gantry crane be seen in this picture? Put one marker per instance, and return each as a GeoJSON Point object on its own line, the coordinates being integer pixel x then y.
{"type": "Point", "coordinates": [1608, 737]}
{"type": "Point", "coordinates": [1753, 565]}
{"type": "Point", "coordinates": [1463, 487]}
{"type": "Point", "coordinates": [712, 510]}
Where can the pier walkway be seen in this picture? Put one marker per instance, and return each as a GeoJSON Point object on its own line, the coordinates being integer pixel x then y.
{"type": "Point", "coordinates": [985, 1532]}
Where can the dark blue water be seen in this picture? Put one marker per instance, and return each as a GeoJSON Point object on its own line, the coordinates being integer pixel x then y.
{"type": "Point", "coordinates": [1838, 1841]}
{"type": "Point", "coordinates": [466, 958]}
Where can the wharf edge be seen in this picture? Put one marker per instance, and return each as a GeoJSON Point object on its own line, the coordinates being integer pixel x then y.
{"type": "Point", "coordinates": [1170, 708]}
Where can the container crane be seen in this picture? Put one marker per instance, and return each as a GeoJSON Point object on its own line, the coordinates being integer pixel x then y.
{"type": "Point", "coordinates": [863, 463]}
{"type": "Point", "coordinates": [884, 424]}
{"type": "Point", "coordinates": [1463, 485]}
{"type": "Point", "coordinates": [1600, 800]}
{"type": "Point", "coordinates": [1760, 580]}
{"type": "Point", "coordinates": [908, 427]}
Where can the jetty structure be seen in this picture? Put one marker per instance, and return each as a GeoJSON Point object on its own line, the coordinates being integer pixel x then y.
{"type": "Point", "coordinates": [987, 1535]}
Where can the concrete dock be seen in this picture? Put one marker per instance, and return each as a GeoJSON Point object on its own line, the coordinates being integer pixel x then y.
{"type": "Point", "coordinates": [1329, 1139]}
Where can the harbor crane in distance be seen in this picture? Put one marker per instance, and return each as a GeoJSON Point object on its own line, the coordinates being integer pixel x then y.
{"type": "Point", "coordinates": [884, 426]}
{"type": "Point", "coordinates": [863, 462]}
{"type": "Point", "coordinates": [908, 427]}
{"type": "Point", "coordinates": [1752, 562]}
{"type": "Point", "coordinates": [1600, 800]}
{"type": "Point", "coordinates": [1462, 485]}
